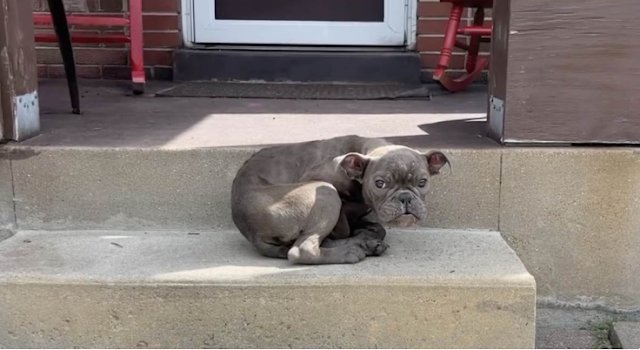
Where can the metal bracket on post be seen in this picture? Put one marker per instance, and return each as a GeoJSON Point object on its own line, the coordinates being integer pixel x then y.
{"type": "Point", "coordinates": [496, 118]}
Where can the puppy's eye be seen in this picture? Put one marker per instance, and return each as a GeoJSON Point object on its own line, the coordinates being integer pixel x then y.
{"type": "Point", "coordinates": [379, 184]}
{"type": "Point", "coordinates": [422, 183]}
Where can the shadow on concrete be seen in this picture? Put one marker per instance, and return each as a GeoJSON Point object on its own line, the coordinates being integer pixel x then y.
{"type": "Point", "coordinates": [113, 118]}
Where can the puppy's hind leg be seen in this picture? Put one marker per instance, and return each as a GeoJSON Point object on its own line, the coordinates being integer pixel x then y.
{"type": "Point", "coordinates": [320, 222]}
{"type": "Point", "coordinates": [292, 221]}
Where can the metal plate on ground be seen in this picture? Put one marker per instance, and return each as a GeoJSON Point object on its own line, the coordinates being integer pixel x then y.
{"type": "Point", "coordinates": [298, 91]}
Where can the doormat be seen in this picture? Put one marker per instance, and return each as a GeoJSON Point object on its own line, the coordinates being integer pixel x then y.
{"type": "Point", "coordinates": [299, 91]}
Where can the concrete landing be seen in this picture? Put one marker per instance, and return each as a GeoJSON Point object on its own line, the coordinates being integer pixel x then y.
{"type": "Point", "coordinates": [460, 289]}
{"type": "Point", "coordinates": [111, 118]}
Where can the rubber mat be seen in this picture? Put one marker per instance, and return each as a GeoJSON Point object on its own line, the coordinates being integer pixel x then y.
{"type": "Point", "coordinates": [298, 91]}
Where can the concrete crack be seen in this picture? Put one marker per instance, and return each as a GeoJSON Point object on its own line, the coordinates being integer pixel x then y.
{"type": "Point", "coordinates": [13, 200]}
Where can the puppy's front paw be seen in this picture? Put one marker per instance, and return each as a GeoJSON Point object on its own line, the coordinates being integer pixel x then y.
{"type": "Point", "coordinates": [372, 231]}
{"type": "Point", "coordinates": [376, 247]}
{"type": "Point", "coordinates": [355, 254]}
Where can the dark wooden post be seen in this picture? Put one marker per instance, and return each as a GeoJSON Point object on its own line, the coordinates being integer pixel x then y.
{"type": "Point", "coordinates": [565, 72]}
{"type": "Point", "coordinates": [18, 72]}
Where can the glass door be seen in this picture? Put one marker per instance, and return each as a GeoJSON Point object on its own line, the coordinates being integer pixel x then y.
{"type": "Point", "coordinates": [301, 22]}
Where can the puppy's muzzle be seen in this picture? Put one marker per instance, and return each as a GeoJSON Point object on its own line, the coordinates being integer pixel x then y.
{"type": "Point", "coordinates": [405, 198]}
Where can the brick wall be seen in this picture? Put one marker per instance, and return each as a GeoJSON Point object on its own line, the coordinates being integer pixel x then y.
{"type": "Point", "coordinates": [162, 35]}
{"type": "Point", "coordinates": [111, 61]}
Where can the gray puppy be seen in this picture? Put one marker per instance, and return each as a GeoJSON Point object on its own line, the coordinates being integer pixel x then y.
{"type": "Point", "coordinates": [313, 202]}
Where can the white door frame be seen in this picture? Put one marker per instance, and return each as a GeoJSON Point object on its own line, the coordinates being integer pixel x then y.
{"type": "Point", "coordinates": [188, 23]}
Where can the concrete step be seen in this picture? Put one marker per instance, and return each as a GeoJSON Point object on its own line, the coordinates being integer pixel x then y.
{"type": "Point", "coordinates": [98, 289]}
{"type": "Point", "coordinates": [358, 67]}
{"type": "Point", "coordinates": [59, 188]}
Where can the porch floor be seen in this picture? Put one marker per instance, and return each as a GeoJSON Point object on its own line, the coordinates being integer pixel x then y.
{"type": "Point", "coordinates": [112, 117]}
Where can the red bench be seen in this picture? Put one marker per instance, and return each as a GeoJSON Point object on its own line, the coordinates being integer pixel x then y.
{"type": "Point", "coordinates": [59, 19]}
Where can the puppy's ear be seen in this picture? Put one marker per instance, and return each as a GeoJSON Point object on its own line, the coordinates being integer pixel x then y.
{"type": "Point", "coordinates": [353, 164]}
{"type": "Point", "coordinates": [436, 161]}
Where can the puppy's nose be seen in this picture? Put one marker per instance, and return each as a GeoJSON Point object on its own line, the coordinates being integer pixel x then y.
{"type": "Point", "coordinates": [404, 198]}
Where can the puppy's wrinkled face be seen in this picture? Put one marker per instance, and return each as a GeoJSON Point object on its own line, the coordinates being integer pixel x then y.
{"type": "Point", "coordinates": [395, 181]}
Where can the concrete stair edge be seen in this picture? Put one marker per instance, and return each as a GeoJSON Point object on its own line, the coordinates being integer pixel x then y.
{"type": "Point", "coordinates": [172, 289]}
